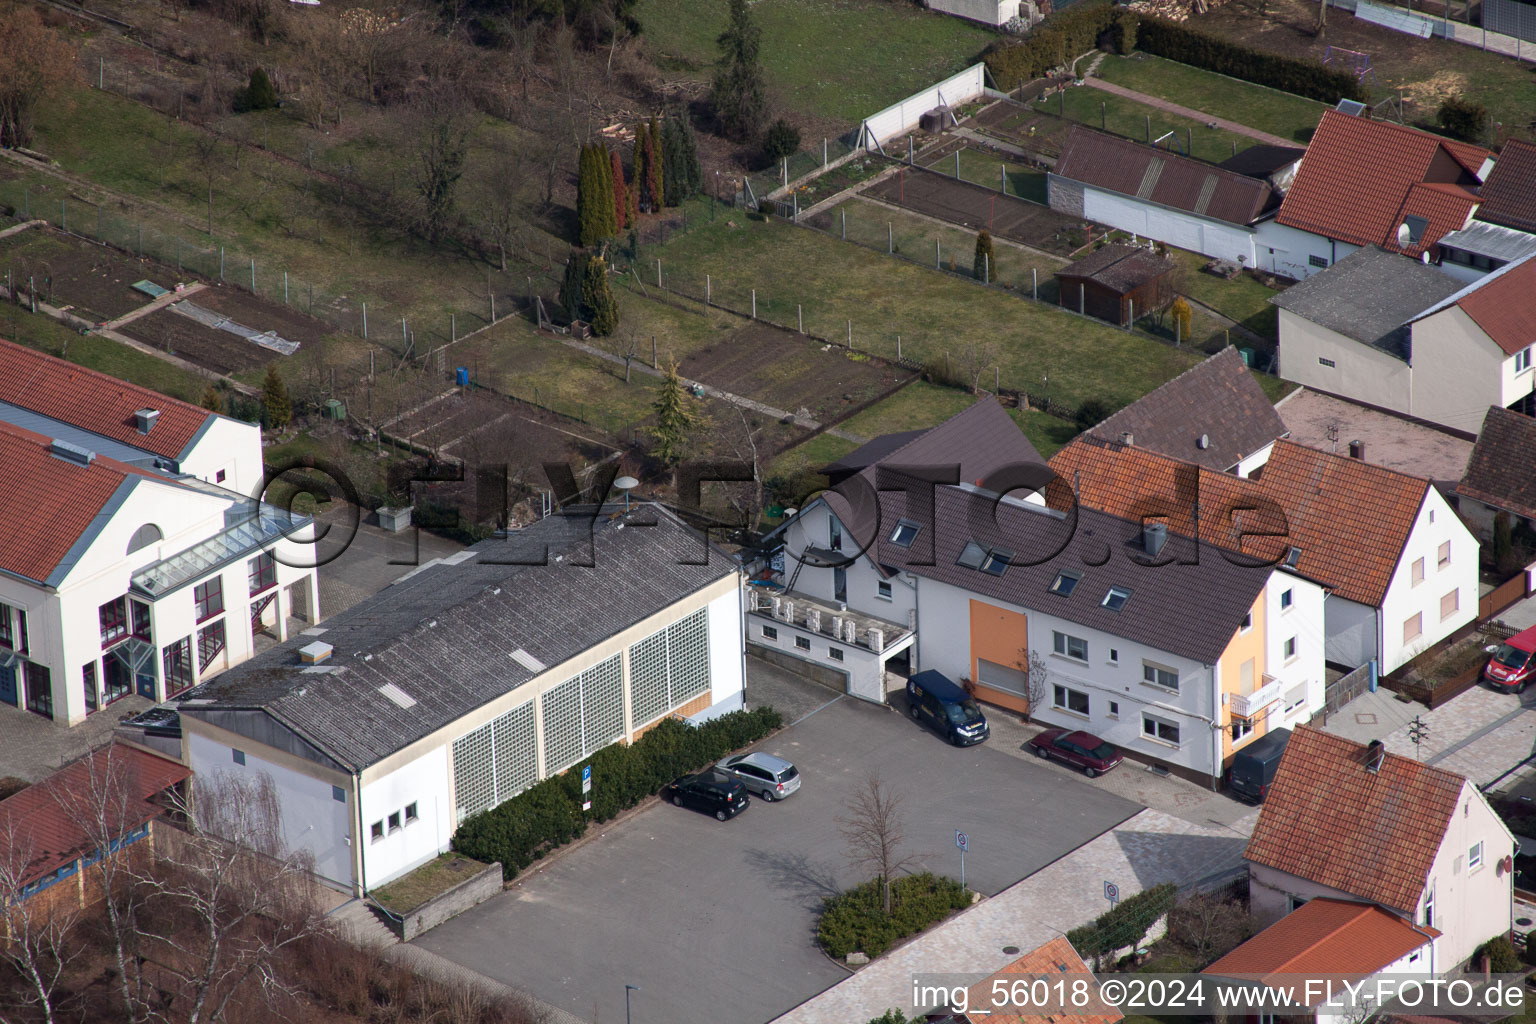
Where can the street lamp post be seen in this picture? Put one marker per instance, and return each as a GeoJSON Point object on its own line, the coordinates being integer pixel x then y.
{"type": "Point", "coordinates": [627, 990]}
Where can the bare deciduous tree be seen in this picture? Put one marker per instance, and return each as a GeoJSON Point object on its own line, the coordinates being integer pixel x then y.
{"type": "Point", "coordinates": [442, 133]}
{"type": "Point", "coordinates": [36, 932]}
{"type": "Point", "coordinates": [1036, 679]}
{"type": "Point", "coordinates": [1209, 925]}
{"type": "Point", "coordinates": [873, 828]}
{"type": "Point", "coordinates": [210, 166]}
{"type": "Point", "coordinates": [980, 356]}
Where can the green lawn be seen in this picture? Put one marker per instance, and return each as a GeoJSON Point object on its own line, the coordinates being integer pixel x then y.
{"type": "Point", "coordinates": [1243, 298]}
{"type": "Point", "coordinates": [1130, 118]}
{"type": "Point", "coordinates": [840, 60]}
{"type": "Point", "coordinates": [917, 406]}
{"type": "Point", "coordinates": [39, 332]}
{"type": "Point", "coordinates": [1049, 434]}
{"type": "Point", "coordinates": [939, 318]}
{"type": "Point", "coordinates": [1268, 110]}
{"type": "Point", "coordinates": [988, 169]}
{"type": "Point", "coordinates": [876, 226]}
{"type": "Point", "coordinates": [809, 457]}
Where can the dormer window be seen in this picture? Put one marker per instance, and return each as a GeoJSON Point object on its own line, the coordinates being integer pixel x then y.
{"type": "Point", "coordinates": [905, 533]}
{"type": "Point", "coordinates": [1065, 582]}
{"type": "Point", "coordinates": [1116, 598]}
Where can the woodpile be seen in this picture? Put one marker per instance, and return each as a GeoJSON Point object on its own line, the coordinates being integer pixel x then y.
{"type": "Point", "coordinates": [1175, 10]}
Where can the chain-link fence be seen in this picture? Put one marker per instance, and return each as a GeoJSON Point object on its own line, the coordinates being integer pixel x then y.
{"type": "Point", "coordinates": [816, 158]}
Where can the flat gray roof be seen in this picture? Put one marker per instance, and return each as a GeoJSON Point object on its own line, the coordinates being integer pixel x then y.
{"type": "Point", "coordinates": [1491, 240]}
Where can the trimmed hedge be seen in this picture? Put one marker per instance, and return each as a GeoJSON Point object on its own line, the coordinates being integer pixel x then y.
{"type": "Point", "coordinates": [1301, 76]}
{"type": "Point", "coordinates": [1125, 925]}
{"type": "Point", "coordinates": [855, 921]}
{"type": "Point", "coordinates": [549, 815]}
{"type": "Point", "coordinates": [1055, 41]}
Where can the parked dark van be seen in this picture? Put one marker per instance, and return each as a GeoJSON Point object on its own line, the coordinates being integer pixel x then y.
{"type": "Point", "coordinates": [1253, 767]}
{"type": "Point", "coordinates": [934, 698]}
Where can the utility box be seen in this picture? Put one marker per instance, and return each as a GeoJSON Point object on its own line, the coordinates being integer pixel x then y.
{"type": "Point", "coordinates": [334, 409]}
{"type": "Point", "coordinates": [394, 519]}
{"type": "Point", "coordinates": [461, 375]}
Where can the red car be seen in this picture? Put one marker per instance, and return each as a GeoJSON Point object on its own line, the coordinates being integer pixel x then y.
{"type": "Point", "coordinates": [1512, 666]}
{"type": "Point", "coordinates": [1079, 749]}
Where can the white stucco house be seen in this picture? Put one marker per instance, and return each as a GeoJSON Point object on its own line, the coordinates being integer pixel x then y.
{"type": "Point", "coordinates": [1422, 187]}
{"type": "Point", "coordinates": [1086, 620]}
{"type": "Point", "coordinates": [133, 559]}
{"type": "Point", "coordinates": [1349, 821]}
{"type": "Point", "coordinates": [472, 678]}
{"type": "Point", "coordinates": [1399, 566]}
{"type": "Point", "coordinates": [1386, 331]}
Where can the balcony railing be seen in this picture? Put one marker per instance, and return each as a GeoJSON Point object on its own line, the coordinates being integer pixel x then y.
{"type": "Point", "coordinates": [250, 527]}
{"type": "Point", "coordinates": [1248, 705]}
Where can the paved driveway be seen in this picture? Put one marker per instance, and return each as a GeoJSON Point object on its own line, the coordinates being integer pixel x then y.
{"type": "Point", "coordinates": [715, 922]}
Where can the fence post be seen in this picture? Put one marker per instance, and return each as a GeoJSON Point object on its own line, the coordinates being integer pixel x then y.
{"type": "Point", "coordinates": [911, 158]}
{"type": "Point", "coordinates": [997, 380]}
{"type": "Point", "coordinates": [101, 73]}
{"type": "Point", "coordinates": [708, 289]}
{"type": "Point", "coordinates": [890, 239]}
{"type": "Point", "coordinates": [1189, 141]}
{"type": "Point", "coordinates": [1101, 116]}
{"type": "Point", "coordinates": [365, 325]}
{"type": "Point", "coordinates": [957, 165]}
{"type": "Point", "coordinates": [253, 275]}
{"type": "Point", "coordinates": [285, 287]}
{"type": "Point", "coordinates": [898, 346]}
{"type": "Point", "coordinates": [1082, 301]}
{"type": "Point", "coordinates": [1149, 129]}
{"type": "Point", "coordinates": [935, 254]}
{"type": "Point", "coordinates": [1132, 321]}
{"type": "Point", "coordinates": [754, 303]}
{"type": "Point", "coordinates": [1034, 283]}
{"type": "Point", "coordinates": [221, 264]}
{"type": "Point", "coordinates": [800, 318]}
{"type": "Point", "coordinates": [986, 269]}
{"type": "Point", "coordinates": [1178, 332]}
{"type": "Point", "coordinates": [784, 170]}
{"type": "Point", "coordinates": [1002, 175]}
{"type": "Point", "coordinates": [493, 307]}
{"type": "Point", "coordinates": [453, 328]}
{"type": "Point", "coordinates": [658, 272]}
{"type": "Point", "coordinates": [64, 212]}
{"type": "Point", "coordinates": [823, 153]}
{"type": "Point", "coordinates": [844, 213]}
{"type": "Point", "coordinates": [32, 291]}
{"type": "Point", "coordinates": [850, 335]}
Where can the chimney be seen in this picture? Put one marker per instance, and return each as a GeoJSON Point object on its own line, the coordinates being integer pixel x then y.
{"type": "Point", "coordinates": [1357, 450]}
{"type": "Point", "coordinates": [1127, 438]}
{"type": "Point", "coordinates": [1375, 753]}
{"type": "Point", "coordinates": [315, 653]}
{"type": "Point", "coordinates": [1153, 537]}
{"type": "Point", "coordinates": [144, 419]}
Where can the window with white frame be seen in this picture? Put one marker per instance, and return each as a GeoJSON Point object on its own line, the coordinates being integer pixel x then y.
{"type": "Point", "coordinates": [394, 821]}
{"type": "Point", "coordinates": [1428, 910]}
{"type": "Point", "coordinates": [1523, 360]}
{"type": "Point", "coordinates": [1114, 709]}
{"type": "Point", "coordinates": [1242, 728]}
{"type": "Point", "coordinates": [803, 643]}
{"type": "Point", "coordinates": [1162, 729]}
{"type": "Point", "coordinates": [1065, 582]}
{"type": "Point", "coordinates": [1285, 599]}
{"type": "Point", "coordinates": [1067, 646]}
{"type": "Point", "coordinates": [905, 533]}
{"type": "Point", "coordinates": [1068, 699]}
{"type": "Point", "coordinates": [1444, 555]}
{"type": "Point", "coordinates": [376, 831]}
{"type": "Point", "coordinates": [883, 590]}
{"type": "Point", "coordinates": [769, 633]}
{"type": "Point", "coordinates": [411, 814]}
{"type": "Point", "coordinates": [835, 653]}
{"type": "Point", "coordinates": [1116, 597]}
{"type": "Point", "coordinates": [1449, 604]}
{"type": "Point", "coordinates": [1413, 627]}
{"type": "Point", "coordinates": [1157, 675]}
{"type": "Point", "coordinates": [1475, 856]}
{"type": "Point", "coordinates": [1416, 572]}
{"type": "Point", "coordinates": [1247, 623]}
{"type": "Point", "coordinates": [1290, 648]}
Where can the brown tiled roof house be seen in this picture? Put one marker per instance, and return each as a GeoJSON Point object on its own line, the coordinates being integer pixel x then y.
{"type": "Point", "coordinates": [1501, 473]}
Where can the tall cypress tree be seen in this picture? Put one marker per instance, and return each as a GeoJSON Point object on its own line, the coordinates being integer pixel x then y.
{"type": "Point", "coordinates": [671, 150]}
{"type": "Point", "coordinates": [654, 171]}
{"type": "Point", "coordinates": [738, 94]}
{"type": "Point", "coordinates": [602, 310]}
{"type": "Point", "coordinates": [603, 165]}
{"type": "Point", "coordinates": [594, 197]}
{"type": "Point", "coordinates": [571, 285]}
{"type": "Point", "coordinates": [643, 160]}
{"type": "Point", "coordinates": [620, 192]}
{"type": "Point", "coordinates": [692, 172]}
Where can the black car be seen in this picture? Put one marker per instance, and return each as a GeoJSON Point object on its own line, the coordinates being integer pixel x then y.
{"type": "Point", "coordinates": [710, 793]}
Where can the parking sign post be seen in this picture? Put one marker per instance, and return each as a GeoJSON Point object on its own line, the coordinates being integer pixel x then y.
{"type": "Point", "coordinates": [586, 788]}
{"type": "Point", "coordinates": [962, 841]}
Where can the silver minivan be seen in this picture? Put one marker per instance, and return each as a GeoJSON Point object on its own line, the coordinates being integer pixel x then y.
{"type": "Point", "coordinates": [764, 775]}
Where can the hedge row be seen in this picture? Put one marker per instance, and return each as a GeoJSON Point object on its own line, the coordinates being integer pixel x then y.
{"type": "Point", "coordinates": [1056, 40]}
{"type": "Point", "coordinates": [549, 815]}
{"type": "Point", "coordinates": [1126, 924]}
{"type": "Point", "coordinates": [1080, 28]}
{"type": "Point", "coordinates": [1302, 76]}
{"type": "Point", "coordinates": [855, 921]}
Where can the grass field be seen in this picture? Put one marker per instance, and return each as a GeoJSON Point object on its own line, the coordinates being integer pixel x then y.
{"type": "Point", "coordinates": [809, 457]}
{"type": "Point", "coordinates": [1243, 298]}
{"type": "Point", "coordinates": [939, 318]}
{"type": "Point", "coordinates": [988, 169]}
{"type": "Point", "coordinates": [1129, 118]}
{"type": "Point", "coordinates": [39, 332]}
{"type": "Point", "coordinates": [1268, 110]}
{"type": "Point", "coordinates": [840, 60]}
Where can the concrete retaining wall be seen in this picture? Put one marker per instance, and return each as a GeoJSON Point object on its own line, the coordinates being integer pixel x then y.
{"type": "Point", "coordinates": [450, 904]}
{"type": "Point", "coordinates": [829, 677]}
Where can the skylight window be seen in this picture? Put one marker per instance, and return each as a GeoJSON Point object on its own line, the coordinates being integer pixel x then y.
{"type": "Point", "coordinates": [905, 533]}
{"type": "Point", "coordinates": [1116, 598]}
{"type": "Point", "coordinates": [997, 561]}
{"type": "Point", "coordinates": [972, 555]}
{"type": "Point", "coordinates": [1066, 581]}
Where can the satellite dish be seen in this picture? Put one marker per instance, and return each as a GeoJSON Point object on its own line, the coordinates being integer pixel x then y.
{"type": "Point", "coordinates": [626, 484]}
{"type": "Point", "coordinates": [1404, 236]}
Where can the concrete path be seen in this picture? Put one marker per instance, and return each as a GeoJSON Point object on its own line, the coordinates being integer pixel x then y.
{"type": "Point", "coordinates": [1192, 114]}
{"type": "Point", "coordinates": [1521, 615]}
{"type": "Point", "coordinates": [155, 305]}
{"type": "Point", "coordinates": [16, 229]}
{"type": "Point", "coordinates": [1146, 849]}
{"type": "Point", "coordinates": [1510, 46]}
{"type": "Point", "coordinates": [972, 135]}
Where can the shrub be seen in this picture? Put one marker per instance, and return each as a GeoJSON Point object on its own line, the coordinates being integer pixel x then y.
{"type": "Point", "coordinates": [1501, 955]}
{"type": "Point", "coordinates": [1463, 119]}
{"type": "Point", "coordinates": [781, 140]}
{"type": "Point", "coordinates": [854, 921]}
{"type": "Point", "coordinates": [549, 815]}
{"type": "Point", "coordinates": [1301, 76]}
{"type": "Point", "coordinates": [1122, 31]}
{"type": "Point", "coordinates": [1183, 316]}
{"type": "Point", "coordinates": [986, 261]}
{"type": "Point", "coordinates": [1058, 39]}
{"type": "Point", "coordinates": [1092, 412]}
{"type": "Point", "coordinates": [1126, 924]}
{"type": "Point", "coordinates": [258, 95]}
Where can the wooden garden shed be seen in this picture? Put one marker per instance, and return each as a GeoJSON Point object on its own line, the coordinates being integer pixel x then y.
{"type": "Point", "coordinates": [1117, 283]}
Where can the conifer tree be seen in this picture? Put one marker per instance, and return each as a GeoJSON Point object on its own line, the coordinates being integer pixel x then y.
{"type": "Point", "coordinates": [594, 197]}
{"type": "Point", "coordinates": [597, 297]}
{"type": "Point", "coordinates": [277, 407]}
{"type": "Point", "coordinates": [671, 149]}
{"type": "Point", "coordinates": [676, 418]}
{"type": "Point", "coordinates": [212, 400]}
{"type": "Point", "coordinates": [654, 171]}
{"type": "Point", "coordinates": [620, 192]}
{"type": "Point", "coordinates": [571, 285]}
{"type": "Point", "coordinates": [985, 266]}
{"type": "Point", "coordinates": [738, 94]}
{"type": "Point", "coordinates": [692, 172]}
{"type": "Point", "coordinates": [642, 167]}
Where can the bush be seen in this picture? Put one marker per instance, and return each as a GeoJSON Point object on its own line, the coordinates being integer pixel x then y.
{"type": "Point", "coordinates": [1057, 40]}
{"type": "Point", "coordinates": [1122, 31]}
{"type": "Point", "coordinates": [1501, 955]}
{"type": "Point", "coordinates": [854, 921]}
{"type": "Point", "coordinates": [1093, 412]}
{"type": "Point", "coordinates": [258, 95]}
{"type": "Point", "coordinates": [1301, 76]}
{"type": "Point", "coordinates": [549, 815]}
{"type": "Point", "coordinates": [1463, 119]}
{"type": "Point", "coordinates": [1126, 924]}
{"type": "Point", "coordinates": [781, 140]}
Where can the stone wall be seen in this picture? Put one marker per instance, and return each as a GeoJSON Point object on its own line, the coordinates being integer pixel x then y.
{"type": "Point", "coordinates": [450, 904]}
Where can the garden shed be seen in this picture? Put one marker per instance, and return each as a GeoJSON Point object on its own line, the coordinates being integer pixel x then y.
{"type": "Point", "coordinates": [1117, 283]}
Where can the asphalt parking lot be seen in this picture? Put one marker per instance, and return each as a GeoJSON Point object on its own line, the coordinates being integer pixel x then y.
{"type": "Point", "coordinates": [715, 921]}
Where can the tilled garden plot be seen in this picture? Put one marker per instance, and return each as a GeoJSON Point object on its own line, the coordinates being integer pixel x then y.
{"type": "Point", "coordinates": [216, 350]}
{"type": "Point", "coordinates": [91, 280]}
{"type": "Point", "coordinates": [975, 207]}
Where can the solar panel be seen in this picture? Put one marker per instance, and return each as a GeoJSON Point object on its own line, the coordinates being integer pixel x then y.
{"type": "Point", "coordinates": [1354, 108]}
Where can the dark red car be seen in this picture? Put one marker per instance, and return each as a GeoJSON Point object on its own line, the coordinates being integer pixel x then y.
{"type": "Point", "coordinates": [1079, 749]}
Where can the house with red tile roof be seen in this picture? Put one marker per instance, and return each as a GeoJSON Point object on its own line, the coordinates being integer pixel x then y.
{"type": "Point", "coordinates": [1325, 941]}
{"type": "Point", "coordinates": [993, 1001]}
{"type": "Point", "coordinates": [1399, 566]}
{"type": "Point", "coordinates": [1349, 821]}
{"type": "Point", "coordinates": [51, 832]}
{"type": "Point", "coordinates": [1501, 474]}
{"type": "Point", "coordinates": [124, 577]}
{"type": "Point", "coordinates": [1366, 182]}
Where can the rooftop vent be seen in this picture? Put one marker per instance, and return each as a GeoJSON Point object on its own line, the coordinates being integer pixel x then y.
{"type": "Point", "coordinates": [1153, 537]}
{"type": "Point", "coordinates": [1375, 754]}
{"type": "Point", "coordinates": [1204, 442]}
{"type": "Point", "coordinates": [527, 660]}
{"type": "Point", "coordinates": [1357, 450]}
{"type": "Point", "coordinates": [399, 696]}
{"type": "Point", "coordinates": [71, 452]}
{"type": "Point", "coordinates": [315, 653]}
{"type": "Point", "coordinates": [145, 419]}
{"type": "Point", "coordinates": [1127, 438]}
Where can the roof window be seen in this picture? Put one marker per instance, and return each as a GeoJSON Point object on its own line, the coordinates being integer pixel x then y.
{"type": "Point", "coordinates": [1116, 598]}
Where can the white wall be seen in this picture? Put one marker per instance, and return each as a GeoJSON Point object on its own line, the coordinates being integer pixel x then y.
{"type": "Point", "coordinates": [1253, 460]}
{"type": "Point", "coordinates": [1471, 906]}
{"type": "Point", "coordinates": [1287, 251]}
{"type": "Point", "coordinates": [1459, 372]}
{"type": "Point", "coordinates": [312, 818]}
{"type": "Point", "coordinates": [1351, 629]}
{"type": "Point", "coordinates": [1305, 619]}
{"type": "Point", "coordinates": [1360, 371]}
{"type": "Point", "coordinates": [726, 649]}
{"type": "Point", "coordinates": [988, 12]}
{"type": "Point", "coordinates": [1175, 227]}
{"type": "Point", "coordinates": [233, 446]}
{"type": "Point", "coordinates": [811, 529]}
{"type": "Point", "coordinates": [1435, 524]}
{"type": "Point", "coordinates": [901, 117]}
{"type": "Point", "coordinates": [1415, 961]}
{"type": "Point", "coordinates": [427, 782]}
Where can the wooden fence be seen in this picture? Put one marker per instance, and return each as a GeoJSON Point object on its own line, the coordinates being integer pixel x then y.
{"type": "Point", "coordinates": [1502, 596]}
